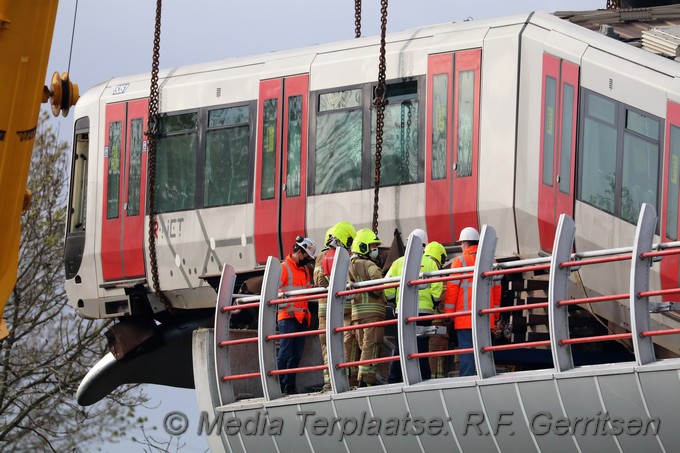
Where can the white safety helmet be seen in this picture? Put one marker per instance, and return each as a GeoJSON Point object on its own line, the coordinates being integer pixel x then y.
{"type": "Point", "coordinates": [306, 244]}
{"type": "Point", "coordinates": [468, 234]}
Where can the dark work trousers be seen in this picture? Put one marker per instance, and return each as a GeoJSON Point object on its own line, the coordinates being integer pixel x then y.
{"type": "Point", "coordinates": [290, 351]}
{"type": "Point", "coordinates": [423, 346]}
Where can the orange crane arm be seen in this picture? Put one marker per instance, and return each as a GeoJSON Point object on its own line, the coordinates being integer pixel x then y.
{"type": "Point", "coordinates": [26, 28]}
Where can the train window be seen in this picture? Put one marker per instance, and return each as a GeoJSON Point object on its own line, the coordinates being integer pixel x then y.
{"type": "Point", "coordinates": [340, 100]}
{"type": "Point", "coordinates": [231, 116]}
{"type": "Point", "coordinates": [226, 157]}
{"type": "Point", "coordinates": [642, 125]}
{"type": "Point", "coordinates": [135, 167]}
{"type": "Point", "coordinates": [175, 186]}
{"type": "Point", "coordinates": [339, 131]}
{"type": "Point", "coordinates": [466, 110]}
{"type": "Point", "coordinates": [439, 125]}
{"type": "Point", "coordinates": [598, 157]}
{"type": "Point", "coordinates": [294, 146]}
{"type": "Point", "coordinates": [78, 199]}
{"type": "Point", "coordinates": [673, 184]}
{"type": "Point", "coordinates": [567, 137]}
{"type": "Point", "coordinates": [399, 158]}
{"type": "Point", "coordinates": [113, 187]}
{"type": "Point", "coordinates": [549, 131]}
{"type": "Point", "coordinates": [269, 149]}
{"type": "Point", "coordinates": [616, 134]}
{"type": "Point", "coordinates": [601, 108]}
{"type": "Point", "coordinates": [640, 166]}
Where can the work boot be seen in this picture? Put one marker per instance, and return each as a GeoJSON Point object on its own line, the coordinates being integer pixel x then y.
{"type": "Point", "coordinates": [289, 390]}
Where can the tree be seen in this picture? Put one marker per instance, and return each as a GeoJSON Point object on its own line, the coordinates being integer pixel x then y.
{"type": "Point", "coordinates": [50, 349]}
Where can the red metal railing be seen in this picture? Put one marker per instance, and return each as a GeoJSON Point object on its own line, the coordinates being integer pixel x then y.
{"type": "Point", "coordinates": [588, 258]}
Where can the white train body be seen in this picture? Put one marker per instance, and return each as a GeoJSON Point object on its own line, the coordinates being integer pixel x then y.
{"type": "Point", "coordinates": [489, 122]}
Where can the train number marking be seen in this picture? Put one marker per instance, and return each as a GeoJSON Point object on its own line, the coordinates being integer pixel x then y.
{"type": "Point", "coordinates": [120, 89]}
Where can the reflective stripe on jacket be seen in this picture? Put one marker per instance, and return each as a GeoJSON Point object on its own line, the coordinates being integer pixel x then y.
{"type": "Point", "coordinates": [459, 292]}
{"type": "Point", "coordinates": [294, 277]}
{"type": "Point", "coordinates": [427, 294]}
{"type": "Point", "coordinates": [371, 303]}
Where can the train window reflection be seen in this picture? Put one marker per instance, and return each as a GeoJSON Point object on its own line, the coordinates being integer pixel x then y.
{"type": "Point", "coordinates": [466, 109]}
{"type": "Point", "coordinates": [640, 176]}
{"type": "Point", "coordinates": [567, 138]}
{"type": "Point", "coordinates": [628, 141]}
{"type": "Point", "coordinates": [399, 157]}
{"type": "Point", "coordinates": [135, 167]}
{"type": "Point", "coordinates": [549, 130]}
{"type": "Point", "coordinates": [439, 125]}
{"type": "Point", "coordinates": [226, 166]}
{"type": "Point", "coordinates": [601, 108]}
{"type": "Point", "coordinates": [673, 185]}
{"type": "Point", "coordinates": [269, 149]}
{"type": "Point", "coordinates": [339, 142]}
{"type": "Point", "coordinates": [78, 200]}
{"type": "Point", "coordinates": [113, 177]}
{"type": "Point", "coordinates": [228, 116]}
{"type": "Point", "coordinates": [294, 146]}
{"type": "Point", "coordinates": [338, 151]}
{"type": "Point", "coordinates": [226, 157]}
{"type": "Point", "coordinates": [175, 185]}
{"type": "Point", "coordinates": [337, 100]}
{"type": "Point", "coordinates": [642, 125]}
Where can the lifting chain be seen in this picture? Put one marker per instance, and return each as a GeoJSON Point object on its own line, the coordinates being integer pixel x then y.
{"type": "Point", "coordinates": [613, 4]}
{"type": "Point", "coordinates": [380, 102]}
{"type": "Point", "coordinates": [405, 140]}
{"type": "Point", "coordinates": [152, 136]}
{"type": "Point", "coordinates": [357, 18]}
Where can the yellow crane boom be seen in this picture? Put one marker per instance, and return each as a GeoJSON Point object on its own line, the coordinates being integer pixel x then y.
{"type": "Point", "coordinates": [26, 28]}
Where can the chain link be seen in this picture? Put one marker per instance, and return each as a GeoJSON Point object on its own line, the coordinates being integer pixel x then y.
{"type": "Point", "coordinates": [380, 102]}
{"type": "Point", "coordinates": [152, 136]}
{"type": "Point", "coordinates": [357, 18]}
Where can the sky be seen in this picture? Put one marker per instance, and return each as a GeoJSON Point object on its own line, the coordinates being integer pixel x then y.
{"type": "Point", "coordinates": [115, 38]}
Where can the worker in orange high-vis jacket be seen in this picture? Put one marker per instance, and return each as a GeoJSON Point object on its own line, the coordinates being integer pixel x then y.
{"type": "Point", "coordinates": [459, 298]}
{"type": "Point", "coordinates": [294, 316]}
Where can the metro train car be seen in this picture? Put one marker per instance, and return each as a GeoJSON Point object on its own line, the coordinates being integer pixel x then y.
{"type": "Point", "coordinates": [508, 122]}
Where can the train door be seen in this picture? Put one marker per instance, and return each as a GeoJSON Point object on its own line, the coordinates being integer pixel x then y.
{"type": "Point", "coordinates": [280, 184]}
{"type": "Point", "coordinates": [122, 246]}
{"type": "Point", "coordinates": [558, 146]}
{"type": "Point", "coordinates": [670, 228]}
{"type": "Point", "coordinates": [452, 144]}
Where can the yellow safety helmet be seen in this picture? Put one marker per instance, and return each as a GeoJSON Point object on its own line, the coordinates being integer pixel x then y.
{"type": "Point", "coordinates": [345, 233]}
{"type": "Point", "coordinates": [329, 236]}
{"type": "Point", "coordinates": [363, 240]}
{"type": "Point", "coordinates": [436, 251]}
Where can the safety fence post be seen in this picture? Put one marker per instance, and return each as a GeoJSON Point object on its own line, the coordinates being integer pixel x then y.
{"type": "Point", "coordinates": [266, 325]}
{"type": "Point", "coordinates": [408, 307]}
{"type": "Point", "coordinates": [335, 315]}
{"type": "Point", "coordinates": [225, 294]}
{"type": "Point", "coordinates": [481, 293]}
{"type": "Point", "coordinates": [639, 282]}
{"type": "Point", "coordinates": [558, 315]}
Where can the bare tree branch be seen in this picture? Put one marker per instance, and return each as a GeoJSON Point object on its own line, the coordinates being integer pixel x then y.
{"type": "Point", "coordinates": [50, 349]}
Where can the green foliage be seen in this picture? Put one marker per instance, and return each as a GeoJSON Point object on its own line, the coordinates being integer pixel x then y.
{"type": "Point", "coordinates": [50, 349]}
